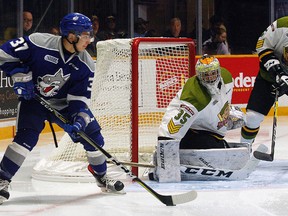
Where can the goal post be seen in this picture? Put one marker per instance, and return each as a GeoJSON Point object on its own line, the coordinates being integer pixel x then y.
{"type": "Point", "coordinates": [184, 49]}
{"type": "Point", "coordinates": [134, 81]}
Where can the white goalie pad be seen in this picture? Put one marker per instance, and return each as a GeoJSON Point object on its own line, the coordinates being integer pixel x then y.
{"type": "Point", "coordinates": [234, 157]}
{"type": "Point", "coordinates": [195, 173]}
{"type": "Point", "coordinates": [168, 162]}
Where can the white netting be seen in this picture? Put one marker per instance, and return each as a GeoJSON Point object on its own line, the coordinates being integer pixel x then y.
{"type": "Point", "coordinates": [162, 69]}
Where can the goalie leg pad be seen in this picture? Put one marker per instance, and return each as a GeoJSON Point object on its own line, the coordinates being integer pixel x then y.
{"type": "Point", "coordinates": [168, 162]}
{"type": "Point", "coordinates": [230, 158]}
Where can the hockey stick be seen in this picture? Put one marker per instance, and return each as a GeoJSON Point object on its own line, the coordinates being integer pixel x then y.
{"type": "Point", "coordinates": [168, 200]}
{"type": "Point", "coordinates": [192, 173]}
{"type": "Point", "coordinates": [266, 156]}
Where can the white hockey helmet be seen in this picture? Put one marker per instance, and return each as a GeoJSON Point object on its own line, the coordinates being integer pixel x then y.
{"type": "Point", "coordinates": [209, 73]}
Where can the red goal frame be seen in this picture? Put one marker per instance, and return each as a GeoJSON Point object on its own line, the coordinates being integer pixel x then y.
{"type": "Point", "coordinates": [134, 85]}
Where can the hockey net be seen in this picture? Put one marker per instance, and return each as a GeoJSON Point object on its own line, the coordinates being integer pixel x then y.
{"type": "Point", "coordinates": [135, 80]}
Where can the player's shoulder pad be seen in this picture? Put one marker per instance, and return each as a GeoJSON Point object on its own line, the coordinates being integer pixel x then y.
{"type": "Point", "coordinates": [86, 58]}
{"type": "Point", "coordinates": [194, 93]}
{"type": "Point", "coordinates": [45, 40]}
{"type": "Point", "coordinates": [282, 22]}
{"type": "Point", "coordinates": [226, 76]}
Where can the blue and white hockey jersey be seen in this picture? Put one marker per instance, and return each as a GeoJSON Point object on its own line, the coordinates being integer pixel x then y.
{"type": "Point", "coordinates": [58, 76]}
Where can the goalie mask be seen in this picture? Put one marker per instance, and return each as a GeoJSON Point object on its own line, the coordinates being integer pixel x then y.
{"type": "Point", "coordinates": [76, 23]}
{"type": "Point", "coordinates": [208, 73]}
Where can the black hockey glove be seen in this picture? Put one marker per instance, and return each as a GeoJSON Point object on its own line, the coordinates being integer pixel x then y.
{"type": "Point", "coordinates": [281, 80]}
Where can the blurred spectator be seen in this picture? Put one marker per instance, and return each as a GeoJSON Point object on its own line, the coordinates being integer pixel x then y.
{"type": "Point", "coordinates": [91, 48]}
{"type": "Point", "coordinates": [11, 32]}
{"type": "Point", "coordinates": [110, 30]}
{"type": "Point", "coordinates": [205, 33]}
{"type": "Point", "coordinates": [140, 27]}
{"type": "Point", "coordinates": [217, 44]}
{"type": "Point", "coordinates": [27, 23]}
{"type": "Point", "coordinates": [175, 29]}
{"type": "Point", "coordinates": [215, 22]}
{"type": "Point", "coordinates": [152, 33]}
{"type": "Point", "coordinates": [54, 30]}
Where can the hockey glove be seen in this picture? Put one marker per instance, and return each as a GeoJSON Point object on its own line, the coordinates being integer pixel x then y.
{"type": "Point", "coordinates": [236, 118]}
{"type": "Point", "coordinates": [281, 84]}
{"type": "Point", "coordinates": [23, 84]}
{"type": "Point", "coordinates": [279, 75]}
{"type": "Point", "coordinates": [80, 122]}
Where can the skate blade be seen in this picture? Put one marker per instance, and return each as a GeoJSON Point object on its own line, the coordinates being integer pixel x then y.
{"type": "Point", "coordinates": [110, 192]}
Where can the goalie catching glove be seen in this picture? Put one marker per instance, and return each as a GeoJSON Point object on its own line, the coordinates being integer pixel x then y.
{"type": "Point", "coordinates": [236, 118]}
{"type": "Point", "coordinates": [23, 84]}
{"type": "Point", "coordinates": [80, 122]}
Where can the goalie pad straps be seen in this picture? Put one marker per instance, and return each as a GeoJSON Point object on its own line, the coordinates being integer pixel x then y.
{"type": "Point", "coordinates": [168, 161]}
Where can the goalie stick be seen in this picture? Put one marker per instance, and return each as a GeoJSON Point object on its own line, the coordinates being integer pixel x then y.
{"type": "Point", "coordinates": [168, 200]}
{"type": "Point", "coordinates": [266, 156]}
{"type": "Point", "coordinates": [190, 172]}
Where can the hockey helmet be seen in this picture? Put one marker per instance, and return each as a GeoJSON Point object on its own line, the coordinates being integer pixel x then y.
{"type": "Point", "coordinates": [75, 23]}
{"type": "Point", "coordinates": [208, 72]}
{"type": "Point", "coordinates": [208, 69]}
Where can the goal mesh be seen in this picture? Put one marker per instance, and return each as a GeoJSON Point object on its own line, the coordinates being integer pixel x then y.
{"type": "Point", "coordinates": [135, 80]}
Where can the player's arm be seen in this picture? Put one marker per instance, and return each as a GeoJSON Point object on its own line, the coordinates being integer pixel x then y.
{"type": "Point", "coordinates": [265, 48]}
{"type": "Point", "coordinates": [236, 117]}
{"type": "Point", "coordinates": [177, 120]}
{"type": "Point", "coordinates": [78, 100]}
{"type": "Point", "coordinates": [268, 59]}
{"type": "Point", "coordinates": [12, 55]}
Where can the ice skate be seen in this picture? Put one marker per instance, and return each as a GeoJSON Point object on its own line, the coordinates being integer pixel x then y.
{"type": "Point", "coordinates": [107, 184]}
{"type": "Point", "coordinates": [4, 194]}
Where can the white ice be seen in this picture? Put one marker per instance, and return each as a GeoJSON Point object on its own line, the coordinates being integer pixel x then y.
{"type": "Point", "coordinates": [264, 193]}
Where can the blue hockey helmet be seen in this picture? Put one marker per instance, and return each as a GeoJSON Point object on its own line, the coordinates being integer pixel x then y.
{"type": "Point", "coordinates": [75, 23]}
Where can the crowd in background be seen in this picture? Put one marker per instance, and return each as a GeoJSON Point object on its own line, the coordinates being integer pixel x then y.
{"type": "Point", "coordinates": [214, 39]}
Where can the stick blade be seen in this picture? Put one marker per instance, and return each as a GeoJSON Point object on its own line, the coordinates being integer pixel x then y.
{"type": "Point", "coordinates": [263, 156]}
{"type": "Point", "coordinates": [173, 200]}
{"type": "Point", "coordinates": [184, 198]}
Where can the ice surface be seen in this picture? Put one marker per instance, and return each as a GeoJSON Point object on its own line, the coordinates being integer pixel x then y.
{"type": "Point", "coordinates": [264, 193]}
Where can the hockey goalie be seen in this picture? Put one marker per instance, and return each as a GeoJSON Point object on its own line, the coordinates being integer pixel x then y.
{"type": "Point", "coordinates": [191, 135]}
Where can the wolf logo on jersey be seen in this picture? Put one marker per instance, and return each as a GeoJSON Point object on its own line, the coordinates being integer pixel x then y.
{"type": "Point", "coordinates": [49, 85]}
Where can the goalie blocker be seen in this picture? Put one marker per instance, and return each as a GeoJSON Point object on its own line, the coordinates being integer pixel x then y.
{"type": "Point", "coordinates": [169, 160]}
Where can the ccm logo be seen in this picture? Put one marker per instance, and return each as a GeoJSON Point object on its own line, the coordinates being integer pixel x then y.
{"type": "Point", "coordinates": [208, 172]}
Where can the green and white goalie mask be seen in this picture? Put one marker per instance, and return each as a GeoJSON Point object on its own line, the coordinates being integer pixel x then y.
{"type": "Point", "coordinates": [208, 72]}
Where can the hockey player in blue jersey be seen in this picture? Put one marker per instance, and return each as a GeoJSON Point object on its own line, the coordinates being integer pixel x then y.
{"type": "Point", "coordinates": [60, 70]}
